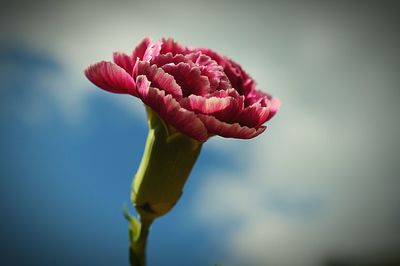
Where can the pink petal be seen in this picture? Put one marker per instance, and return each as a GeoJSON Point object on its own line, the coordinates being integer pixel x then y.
{"type": "Point", "coordinates": [170, 111]}
{"type": "Point", "coordinates": [159, 78]}
{"type": "Point", "coordinates": [249, 85]}
{"type": "Point", "coordinates": [223, 129]}
{"type": "Point", "coordinates": [217, 77]}
{"type": "Point", "coordinates": [123, 60]}
{"type": "Point", "coordinates": [111, 77]}
{"type": "Point", "coordinates": [142, 84]}
{"type": "Point", "coordinates": [169, 58]}
{"type": "Point", "coordinates": [238, 78]}
{"type": "Point", "coordinates": [257, 96]}
{"type": "Point", "coordinates": [200, 59]}
{"type": "Point", "coordinates": [261, 109]}
{"type": "Point", "coordinates": [210, 68]}
{"type": "Point", "coordinates": [230, 93]}
{"type": "Point", "coordinates": [152, 51]}
{"type": "Point", "coordinates": [140, 49]}
{"type": "Point", "coordinates": [253, 116]}
{"type": "Point", "coordinates": [225, 93]}
{"type": "Point", "coordinates": [222, 108]}
{"type": "Point", "coordinates": [274, 107]}
{"type": "Point", "coordinates": [189, 78]}
{"type": "Point", "coordinates": [170, 46]}
{"type": "Point", "coordinates": [214, 55]}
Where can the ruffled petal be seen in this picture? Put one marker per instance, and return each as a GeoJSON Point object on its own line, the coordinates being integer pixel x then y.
{"type": "Point", "coordinates": [230, 93]}
{"type": "Point", "coordinates": [159, 78]}
{"type": "Point", "coordinates": [222, 108]}
{"type": "Point", "coordinates": [189, 78]}
{"type": "Point", "coordinates": [170, 46]}
{"type": "Point", "coordinates": [238, 78]}
{"type": "Point", "coordinates": [140, 49]}
{"type": "Point", "coordinates": [200, 59]}
{"type": "Point", "coordinates": [152, 51]}
{"type": "Point", "coordinates": [169, 58]}
{"type": "Point", "coordinates": [249, 85]}
{"type": "Point", "coordinates": [253, 116]}
{"type": "Point", "coordinates": [123, 60]}
{"type": "Point", "coordinates": [273, 107]}
{"type": "Point", "coordinates": [257, 96]}
{"type": "Point", "coordinates": [227, 130]}
{"type": "Point", "coordinates": [210, 68]}
{"type": "Point", "coordinates": [260, 107]}
{"type": "Point", "coordinates": [111, 77]}
{"type": "Point", "coordinates": [213, 55]}
{"type": "Point", "coordinates": [170, 111]}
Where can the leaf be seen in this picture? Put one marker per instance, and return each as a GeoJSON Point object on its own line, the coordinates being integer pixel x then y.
{"type": "Point", "coordinates": [134, 225]}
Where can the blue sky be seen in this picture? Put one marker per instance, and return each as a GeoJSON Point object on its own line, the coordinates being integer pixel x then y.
{"type": "Point", "coordinates": [321, 182]}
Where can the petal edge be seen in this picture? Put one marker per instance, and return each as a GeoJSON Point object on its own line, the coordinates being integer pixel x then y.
{"type": "Point", "coordinates": [226, 130]}
{"type": "Point", "coordinates": [111, 77]}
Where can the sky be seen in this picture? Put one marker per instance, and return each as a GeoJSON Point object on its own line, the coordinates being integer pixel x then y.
{"type": "Point", "coordinates": [319, 186]}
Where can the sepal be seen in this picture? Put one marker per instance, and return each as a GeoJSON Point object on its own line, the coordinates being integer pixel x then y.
{"type": "Point", "coordinates": [166, 164]}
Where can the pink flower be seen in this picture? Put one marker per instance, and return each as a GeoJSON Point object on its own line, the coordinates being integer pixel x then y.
{"type": "Point", "coordinates": [197, 91]}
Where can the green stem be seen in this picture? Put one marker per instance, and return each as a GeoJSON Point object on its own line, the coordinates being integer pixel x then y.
{"type": "Point", "coordinates": [167, 160]}
{"type": "Point", "coordinates": [137, 250]}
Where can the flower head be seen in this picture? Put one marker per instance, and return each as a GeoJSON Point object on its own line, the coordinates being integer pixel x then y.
{"type": "Point", "coordinates": [196, 91]}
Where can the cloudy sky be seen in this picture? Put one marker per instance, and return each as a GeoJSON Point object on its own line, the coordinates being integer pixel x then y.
{"type": "Point", "coordinates": [320, 184]}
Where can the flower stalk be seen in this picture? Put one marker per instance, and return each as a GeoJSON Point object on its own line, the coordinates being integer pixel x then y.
{"type": "Point", "coordinates": [138, 233]}
{"type": "Point", "coordinates": [167, 160]}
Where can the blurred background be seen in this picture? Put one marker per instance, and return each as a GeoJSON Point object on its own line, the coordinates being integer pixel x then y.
{"type": "Point", "coordinates": [319, 187]}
